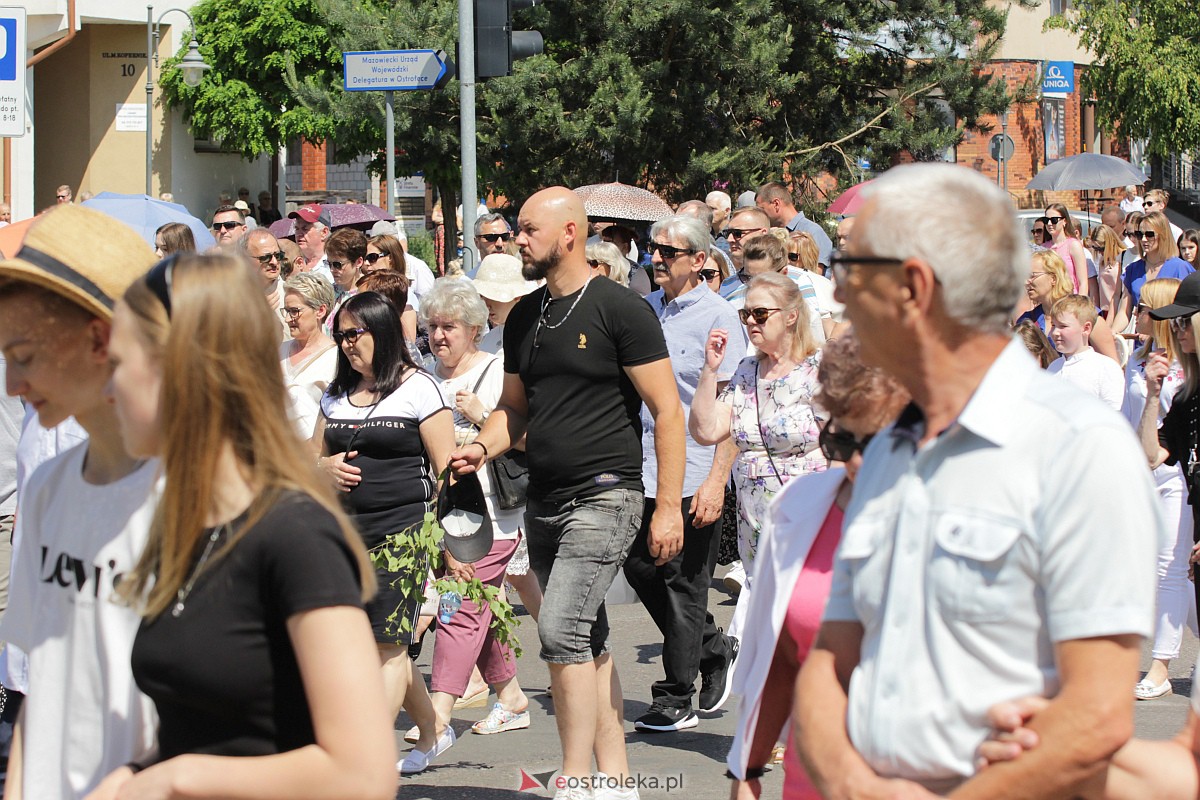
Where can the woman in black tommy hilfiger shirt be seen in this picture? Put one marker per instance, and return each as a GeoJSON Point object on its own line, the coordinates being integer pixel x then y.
{"type": "Point", "coordinates": [384, 426]}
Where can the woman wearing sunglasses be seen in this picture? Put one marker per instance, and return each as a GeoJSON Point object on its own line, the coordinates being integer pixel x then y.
{"type": "Point", "coordinates": [254, 645]}
{"type": "Point", "coordinates": [1160, 259]}
{"type": "Point", "coordinates": [767, 406]}
{"type": "Point", "coordinates": [1174, 595]}
{"type": "Point", "coordinates": [803, 253]}
{"type": "Point", "coordinates": [1063, 238]}
{"type": "Point", "coordinates": [384, 425]}
{"type": "Point", "coordinates": [1106, 288]}
{"type": "Point", "coordinates": [795, 561]}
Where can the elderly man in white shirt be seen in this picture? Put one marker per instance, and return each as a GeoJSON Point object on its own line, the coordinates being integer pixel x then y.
{"type": "Point", "coordinates": [984, 555]}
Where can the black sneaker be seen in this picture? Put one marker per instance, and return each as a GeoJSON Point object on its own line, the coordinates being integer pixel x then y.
{"type": "Point", "coordinates": [715, 685]}
{"type": "Point", "coordinates": [664, 719]}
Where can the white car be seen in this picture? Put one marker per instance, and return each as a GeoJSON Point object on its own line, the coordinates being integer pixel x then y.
{"type": "Point", "coordinates": [1084, 220]}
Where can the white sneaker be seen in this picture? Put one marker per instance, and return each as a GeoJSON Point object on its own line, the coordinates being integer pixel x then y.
{"type": "Point", "coordinates": [603, 791]}
{"type": "Point", "coordinates": [735, 578]}
{"type": "Point", "coordinates": [574, 793]}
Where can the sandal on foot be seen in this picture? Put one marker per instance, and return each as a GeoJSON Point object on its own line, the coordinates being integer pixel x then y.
{"type": "Point", "coordinates": [501, 720]}
{"type": "Point", "coordinates": [477, 700]}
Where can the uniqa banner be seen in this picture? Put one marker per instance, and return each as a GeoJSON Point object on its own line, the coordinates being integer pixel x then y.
{"type": "Point", "coordinates": [1059, 77]}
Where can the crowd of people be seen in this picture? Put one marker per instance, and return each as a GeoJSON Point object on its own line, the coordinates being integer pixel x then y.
{"type": "Point", "coordinates": [953, 476]}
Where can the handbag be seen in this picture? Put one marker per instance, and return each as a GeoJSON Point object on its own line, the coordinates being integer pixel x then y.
{"type": "Point", "coordinates": [509, 471]}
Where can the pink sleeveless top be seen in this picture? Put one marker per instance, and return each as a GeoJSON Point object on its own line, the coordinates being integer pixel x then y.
{"type": "Point", "coordinates": [1063, 249]}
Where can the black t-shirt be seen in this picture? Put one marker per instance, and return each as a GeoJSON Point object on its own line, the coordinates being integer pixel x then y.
{"type": "Point", "coordinates": [1178, 436]}
{"type": "Point", "coordinates": [584, 432]}
{"type": "Point", "coordinates": [223, 674]}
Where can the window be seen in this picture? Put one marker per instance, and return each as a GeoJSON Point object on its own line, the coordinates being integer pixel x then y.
{"type": "Point", "coordinates": [1058, 7]}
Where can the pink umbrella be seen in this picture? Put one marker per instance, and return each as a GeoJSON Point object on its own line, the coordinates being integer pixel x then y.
{"type": "Point", "coordinates": [849, 201]}
{"type": "Point", "coordinates": [358, 215]}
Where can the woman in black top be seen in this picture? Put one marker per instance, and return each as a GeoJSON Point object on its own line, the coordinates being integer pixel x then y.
{"type": "Point", "coordinates": [384, 424]}
{"type": "Point", "coordinates": [1177, 441]}
{"type": "Point", "coordinates": [255, 647]}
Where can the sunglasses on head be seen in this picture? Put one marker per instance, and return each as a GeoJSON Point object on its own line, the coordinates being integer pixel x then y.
{"type": "Point", "coordinates": [710, 274]}
{"type": "Point", "coordinates": [265, 258]}
{"type": "Point", "coordinates": [668, 252]}
{"type": "Point", "coordinates": [350, 336]}
{"type": "Point", "coordinates": [759, 315]}
{"type": "Point", "coordinates": [373, 257]}
{"type": "Point", "coordinates": [839, 445]}
{"type": "Point", "coordinates": [492, 238]}
{"type": "Point", "coordinates": [216, 226]}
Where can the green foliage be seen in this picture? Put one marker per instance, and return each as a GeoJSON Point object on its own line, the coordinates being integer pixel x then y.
{"type": "Point", "coordinates": [421, 246]}
{"type": "Point", "coordinates": [676, 94]}
{"type": "Point", "coordinates": [243, 100]}
{"type": "Point", "coordinates": [406, 555]}
{"type": "Point", "coordinates": [1146, 73]}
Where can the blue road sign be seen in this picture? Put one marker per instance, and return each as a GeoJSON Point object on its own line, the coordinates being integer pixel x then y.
{"type": "Point", "coordinates": [393, 70]}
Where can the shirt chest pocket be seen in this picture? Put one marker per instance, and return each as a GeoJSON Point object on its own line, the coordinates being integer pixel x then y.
{"type": "Point", "coordinates": [858, 551]}
{"type": "Point", "coordinates": [973, 569]}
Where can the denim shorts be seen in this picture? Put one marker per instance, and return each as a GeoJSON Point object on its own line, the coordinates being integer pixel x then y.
{"type": "Point", "coordinates": [576, 549]}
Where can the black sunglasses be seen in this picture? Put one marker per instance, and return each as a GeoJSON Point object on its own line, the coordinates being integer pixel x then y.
{"type": "Point", "coordinates": [738, 233]}
{"type": "Point", "coordinates": [265, 258]}
{"type": "Point", "coordinates": [793, 257]}
{"type": "Point", "coordinates": [373, 257]}
{"type": "Point", "coordinates": [667, 251]}
{"type": "Point", "coordinates": [1134, 234]}
{"type": "Point", "coordinates": [337, 264]}
{"type": "Point", "coordinates": [216, 226]}
{"type": "Point", "coordinates": [1148, 235]}
{"type": "Point", "coordinates": [349, 336]}
{"type": "Point", "coordinates": [839, 445]}
{"type": "Point", "coordinates": [492, 238]}
{"type": "Point", "coordinates": [760, 315]}
{"type": "Point", "coordinates": [710, 274]}
{"type": "Point", "coordinates": [1051, 220]}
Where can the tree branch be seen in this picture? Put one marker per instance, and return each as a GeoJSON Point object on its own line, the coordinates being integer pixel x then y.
{"type": "Point", "coordinates": [871, 124]}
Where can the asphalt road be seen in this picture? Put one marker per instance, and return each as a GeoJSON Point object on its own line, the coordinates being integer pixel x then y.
{"type": "Point", "coordinates": [489, 767]}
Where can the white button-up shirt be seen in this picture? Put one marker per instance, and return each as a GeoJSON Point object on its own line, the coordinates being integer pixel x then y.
{"type": "Point", "coordinates": [1030, 521]}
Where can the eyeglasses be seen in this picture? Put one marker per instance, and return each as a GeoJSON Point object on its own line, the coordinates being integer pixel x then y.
{"type": "Point", "coordinates": [1038, 231]}
{"type": "Point", "coordinates": [593, 263]}
{"type": "Point", "coordinates": [1148, 235]}
{"type": "Point", "coordinates": [1142, 308]}
{"type": "Point", "coordinates": [760, 315]}
{"type": "Point", "coordinates": [1181, 324]}
{"type": "Point", "coordinates": [492, 238]}
{"type": "Point", "coordinates": [349, 336]}
{"type": "Point", "coordinates": [337, 264]}
{"type": "Point", "coordinates": [1033, 275]}
{"type": "Point", "coordinates": [1148, 203]}
{"type": "Point", "coordinates": [1134, 234]}
{"type": "Point", "coordinates": [794, 257]}
{"type": "Point", "coordinates": [710, 274]}
{"type": "Point", "coordinates": [291, 313]}
{"type": "Point", "coordinates": [840, 262]}
{"type": "Point", "coordinates": [1052, 220]}
{"type": "Point", "coordinates": [739, 233]}
{"type": "Point", "coordinates": [63, 196]}
{"type": "Point", "coordinates": [266, 258]}
{"type": "Point", "coordinates": [839, 445]}
{"type": "Point", "coordinates": [669, 252]}
{"type": "Point", "coordinates": [217, 226]}
{"type": "Point", "coordinates": [373, 257]}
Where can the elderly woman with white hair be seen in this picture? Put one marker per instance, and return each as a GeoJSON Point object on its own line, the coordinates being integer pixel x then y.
{"type": "Point", "coordinates": [606, 259]}
{"type": "Point", "coordinates": [309, 357]}
{"type": "Point", "coordinates": [456, 318]}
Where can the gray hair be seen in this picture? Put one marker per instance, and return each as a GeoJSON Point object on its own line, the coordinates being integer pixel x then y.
{"type": "Point", "coordinates": [978, 255]}
{"type": "Point", "coordinates": [720, 198]}
{"type": "Point", "coordinates": [698, 209]}
{"type": "Point", "coordinates": [608, 253]}
{"type": "Point", "coordinates": [683, 228]}
{"type": "Point", "coordinates": [456, 299]}
{"type": "Point", "coordinates": [488, 219]}
{"type": "Point", "coordinates": [313, 289]}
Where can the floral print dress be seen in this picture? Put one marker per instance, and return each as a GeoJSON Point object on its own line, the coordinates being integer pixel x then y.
{"type": "Point", "coordinates": [782, 411]}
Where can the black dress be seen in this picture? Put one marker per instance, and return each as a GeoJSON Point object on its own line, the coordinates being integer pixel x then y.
{"type": "Point", "coordinates": [223, 673]}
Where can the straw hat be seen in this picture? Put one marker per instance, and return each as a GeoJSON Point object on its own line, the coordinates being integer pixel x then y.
{"type": "Point", "coordinates": [499, 278]}
{"type": "Point", "coordinates": [84, 255]}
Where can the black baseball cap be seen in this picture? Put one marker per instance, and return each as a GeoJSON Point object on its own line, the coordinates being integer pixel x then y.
{"type": "Point", "coordinates": [1187, 300]}
{"type": "Point", "coordinates": [463, 514]}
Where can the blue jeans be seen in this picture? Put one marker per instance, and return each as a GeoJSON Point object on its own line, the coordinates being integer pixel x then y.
{"type": "Point", "coordinates": [576, 549]}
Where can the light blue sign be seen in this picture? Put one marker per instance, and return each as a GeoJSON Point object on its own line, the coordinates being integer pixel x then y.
{"type": "Point", "coordinates": [1059, 77]}
{"type": "Point", "coordinates": [393, 70]}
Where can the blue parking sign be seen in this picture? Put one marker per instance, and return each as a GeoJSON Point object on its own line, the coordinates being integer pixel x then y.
{"type": "Point", "coordinates": [8, 49]}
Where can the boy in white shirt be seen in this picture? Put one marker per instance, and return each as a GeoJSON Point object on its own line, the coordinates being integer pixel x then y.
{"type": "Point", "coordinates": [85, 514]}
{"type": "Point", "coordinates": [1072, 319]}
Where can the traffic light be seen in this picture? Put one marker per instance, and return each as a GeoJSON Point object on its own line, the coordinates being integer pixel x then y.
{"type": "Point", "coordinates": [497, 45]}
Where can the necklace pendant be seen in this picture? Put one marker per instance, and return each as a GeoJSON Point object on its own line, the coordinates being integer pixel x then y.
{"type": "Point", "coordinates": [177, 609]}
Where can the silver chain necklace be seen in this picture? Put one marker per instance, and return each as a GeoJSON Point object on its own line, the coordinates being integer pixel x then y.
{"type": "Point", "coordinates": [546, 306]}
{"type": "Point", "coordinates": [182, 595]}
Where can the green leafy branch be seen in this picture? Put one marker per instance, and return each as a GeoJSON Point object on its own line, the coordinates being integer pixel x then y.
{"type": "Point", "coordinates": [406, 554]}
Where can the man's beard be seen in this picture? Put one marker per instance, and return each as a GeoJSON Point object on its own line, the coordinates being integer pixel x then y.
{"type": "Point", "coordinates": [536, 269]}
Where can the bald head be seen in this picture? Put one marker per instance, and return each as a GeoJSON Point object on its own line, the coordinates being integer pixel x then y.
{"type": "Point", "coordinates": [552, 231]}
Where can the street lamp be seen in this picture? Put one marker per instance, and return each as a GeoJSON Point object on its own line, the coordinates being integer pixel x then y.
{"type": "Point", "coordinates": [192, 66]}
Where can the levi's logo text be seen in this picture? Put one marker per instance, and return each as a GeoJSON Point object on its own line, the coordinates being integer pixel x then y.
{"type": "Point", "coordinates": [68, 571]}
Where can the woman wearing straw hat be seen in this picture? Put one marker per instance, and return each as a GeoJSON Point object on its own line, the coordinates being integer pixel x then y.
{"type": "Point", "coordinates": [85, 514]}
{"type": "Point", "coordinates": [499, 282]}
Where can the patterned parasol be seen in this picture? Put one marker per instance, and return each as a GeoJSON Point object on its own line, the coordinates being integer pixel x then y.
{"type": "Point", "coordinates": [619, 201]}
